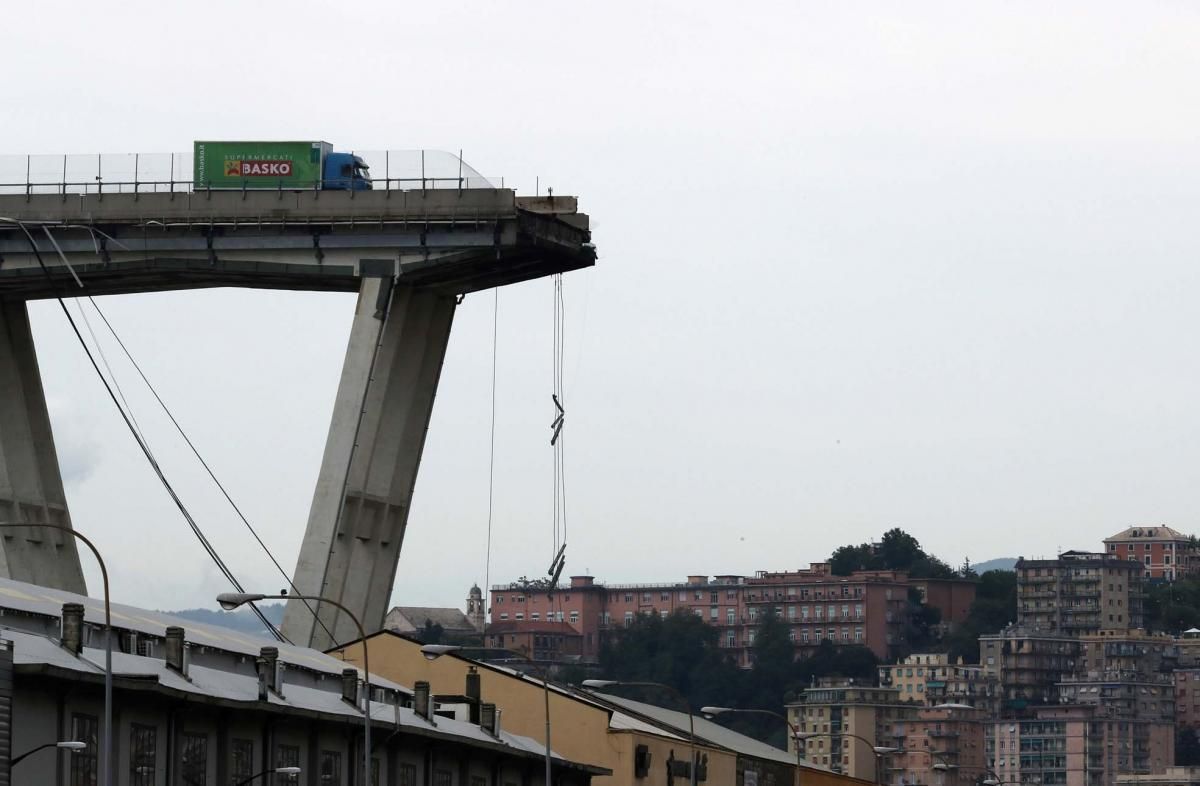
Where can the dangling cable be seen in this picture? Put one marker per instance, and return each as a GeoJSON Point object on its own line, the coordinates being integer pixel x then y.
{"type": "Point", "coordinates": [557, 439]}
{"type": "Point", "coordinates": [487, 565]}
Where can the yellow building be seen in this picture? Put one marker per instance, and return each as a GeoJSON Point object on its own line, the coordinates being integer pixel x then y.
{"type": "Point", "coordinates": [634, 741]}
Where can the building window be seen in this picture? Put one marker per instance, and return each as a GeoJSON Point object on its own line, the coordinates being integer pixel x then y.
{"type": "Point", "coordinates": [792, 635]}
{"type": "Point", "coordinates": [408, 775]}
{"type": "Point", "coordinates": [645, 597]}
{"type": "Point", "coordinates": [499, 599]}
{"type": "Point", "coordinates": [193, 767]}
{"type": "Point", "coordinates": [478, 780]}
{"type": "Point", "coordinates": [858, 611]}
{"type": "Point", "coordinates": [804, 635]}
{"type": "Point", "coordinates": [753, 613]}
{"type": "Point", "coordinates": [520, 616]}
{"type": "Point", "coordinates": [533, 616]}
{"type": "Point", "coordinates": [858, 635]}
{"type": "Point", "coordinates": [440, 777]}
{"type": "Point", "coordinates": [730, 616]}
{"type": "Point", "coordinates": [714, 614]}
{"type": "Point", "coordinates": [142, 754]}
{"type": "Point", "coordinates": [85, 763]}
{"type": "Point", "coordinates": [331, 768]}
{"type": "Point", "coordinates": [664, 596]}
{"type": "Point", "coordinates": [730, 639]}
{"type": "Point", "coordinates": [243, 760]}
{"type": "Point", "coordinates": [503, 616]}
{"type": "Point", "coordinates": [574, 620]}
{"type": "Point", "coordinates": [845, 611]}
{"type": "Point", "coordinates": [628, 621]}
{"type": "Point", "coordinates": [287, 756]}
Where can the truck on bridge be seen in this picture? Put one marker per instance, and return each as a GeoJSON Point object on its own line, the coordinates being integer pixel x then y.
{"type": "Point", "coordinates": [277, 165]}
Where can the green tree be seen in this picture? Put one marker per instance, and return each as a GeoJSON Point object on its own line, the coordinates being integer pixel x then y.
{"type": "Point", "coordinates": [994, 608]}
{"type": "Point", "coordinates": [432, 633]}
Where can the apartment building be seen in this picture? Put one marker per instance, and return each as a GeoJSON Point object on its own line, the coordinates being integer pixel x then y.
{"type": "Point", "coordinates": [869, 608]}
{"type": "Point", "coordinates": [1187, 697]}
{"type": "Point", "coordinates": [931, 679]}
{"type": "Point", "coordinates": [1077, 745]}
{"type": "Point", "coordinates": [949, 736]}
{"type": "Point", "coordinates": [1028, 664]}
{"type": "Point", "coordinates": [847, 722]}
{"type": "Point", "coordinates": [1079, 593]}
{"type": "Point", "coordinates": [1164, 554]}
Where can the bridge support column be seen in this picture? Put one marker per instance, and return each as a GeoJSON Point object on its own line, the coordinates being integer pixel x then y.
{"type": "Point", "coordinates": [31, 488]}
{"type": "Point", "coordinates": [365, 487]}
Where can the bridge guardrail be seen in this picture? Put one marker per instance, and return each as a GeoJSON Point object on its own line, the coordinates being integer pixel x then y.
{"type": "Point", "coordinates": [145, 173]}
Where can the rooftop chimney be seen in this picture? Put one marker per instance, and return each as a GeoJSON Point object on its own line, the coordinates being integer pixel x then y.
{"type": "Point", "coordinates": [489, 719]}
{"type": "Point", "coordinates": [72, 627]}
{"type": "Point", "coordinates": [350, 686]}
{"type": "Point", "coordinates": [268, 672]}
{"type": "Point", "coordinates": [474, 693]}
{"type": "Point", "coordinates": [421, 699]}
{"type": "Point", "coordinates": [175, 650]}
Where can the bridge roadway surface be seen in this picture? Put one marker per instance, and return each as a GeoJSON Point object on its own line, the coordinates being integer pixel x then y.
{"type": "Point", "coordinates": [409, 255]}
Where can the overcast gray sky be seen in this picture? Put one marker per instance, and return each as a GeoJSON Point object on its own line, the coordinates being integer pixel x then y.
{"type": "Point", "coordinates": [862, 265]}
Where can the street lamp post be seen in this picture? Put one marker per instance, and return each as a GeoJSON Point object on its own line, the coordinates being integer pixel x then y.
{"type": "Point", "coordinates": [434, 651]}
{"type": "Point", "coordinates": [231, 600]}
{"type": "Point", "coordinates": [879, 750]}
{"type": "Point", "coordinates": [791, 727]}
{"type": "Point", "coordinates": [67, 745]}
{"type": "Point", "coordinates": [108, 703]}
{"type": "Point", "coordinates": [277, 770]}
{"type": "Point", "coordinates": [691, 723]}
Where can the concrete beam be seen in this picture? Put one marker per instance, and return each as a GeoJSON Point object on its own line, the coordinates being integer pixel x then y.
{"type": "Point", "coordinates": [364, 490]}
{"type": "Point", "coordinates": [31, 488]}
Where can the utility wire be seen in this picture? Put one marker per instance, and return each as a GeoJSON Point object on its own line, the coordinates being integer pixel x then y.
{"type": "Point", "coordinates": [487, 566]}
{"type": "Point", "coordinates": [204, 464]}
{"type": "Point", "coordinates": [204, 542]}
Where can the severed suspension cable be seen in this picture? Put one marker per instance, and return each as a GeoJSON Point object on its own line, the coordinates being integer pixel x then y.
{"type": "Point", "coordinates": [204, 542]}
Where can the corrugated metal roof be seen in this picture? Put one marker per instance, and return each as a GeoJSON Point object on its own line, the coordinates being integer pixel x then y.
{"type": "Point", "coordinates": [48, 602]}
{"type": "Point", "coordinates": [30, 649]}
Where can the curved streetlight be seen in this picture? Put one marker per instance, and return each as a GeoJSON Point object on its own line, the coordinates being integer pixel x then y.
{"type": "Point", "coordinates": [600, 684]}
{"type": "Point", "coordinates": [879, 750]}
{"type": "Point", "coordinates": [231, 600]}
{"type": "Point", "coordinates": [108, 703]}
{"type": "Point", "coordinates": [276, 770]}
{"type": "Point", "coordinates": [714, 711]}
{"type": "Point", "coordinates": [435, 651]}
{"type": "Point", "coordinates": [68, 745]}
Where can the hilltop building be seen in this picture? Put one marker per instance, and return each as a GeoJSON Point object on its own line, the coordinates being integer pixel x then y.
{"type": "Point", "coordinates": [1164, 554]}
{"type": "Point", "coordinates": [1079, 593]}
{"type": "Point", "coordinates": [869, 608]}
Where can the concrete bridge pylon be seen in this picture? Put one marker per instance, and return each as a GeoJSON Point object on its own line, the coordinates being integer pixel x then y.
{"type": "Point", "coordinates": [31, 487]}
{"type": "Point", "coordinates": [369, 470]}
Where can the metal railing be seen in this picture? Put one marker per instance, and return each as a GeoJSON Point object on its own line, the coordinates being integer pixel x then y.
{"type": "Point", "coordinates": [155, 173]}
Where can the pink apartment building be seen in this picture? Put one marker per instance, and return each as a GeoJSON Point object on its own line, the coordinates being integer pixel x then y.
{"type": "Point", "coordinates": [868, 608]}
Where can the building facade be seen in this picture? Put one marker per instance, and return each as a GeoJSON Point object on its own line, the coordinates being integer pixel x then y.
{"type": "Point", "coordinates": [1164, 554]}
{"type": "Point", "coordinates": [846, 722]}
{"type": "Point", "coordinates": [949, 736]}
{"type": "Point", "coordinates": [868, 608]}
{"type": "Point", "coordinates": [1079, 593]}
{"type": "Point", "coordinates": [204, 705]}
{"type": "Point", "coordinates": [930, 679]}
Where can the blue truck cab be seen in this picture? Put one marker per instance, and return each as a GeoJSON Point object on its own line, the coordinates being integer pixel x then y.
{"type": "Point", "coordinates": [345, 172]}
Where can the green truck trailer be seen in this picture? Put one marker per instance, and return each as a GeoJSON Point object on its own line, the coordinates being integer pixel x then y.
{"type": "Point", "coordinates": [277, 165]}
